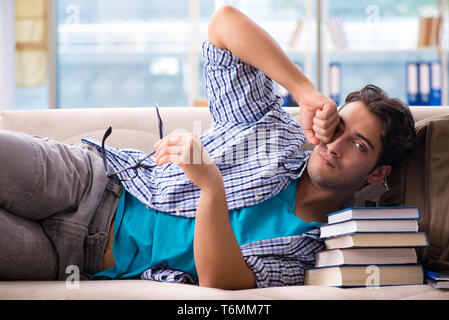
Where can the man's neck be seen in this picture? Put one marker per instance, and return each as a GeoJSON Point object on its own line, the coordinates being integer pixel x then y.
{"type": "Point", "coordinates": [314, 202]}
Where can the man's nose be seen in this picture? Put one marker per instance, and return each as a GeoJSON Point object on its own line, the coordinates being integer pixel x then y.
{"type": "Point", "coordinates": [335, 146]}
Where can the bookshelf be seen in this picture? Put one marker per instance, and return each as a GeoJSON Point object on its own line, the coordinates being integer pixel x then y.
{"type": "Point", "coordinates": [382, 56]}
{"type": "Point", "coordinates": [397, 52]}
{"type": "Point", "coordinates": [135, 44]}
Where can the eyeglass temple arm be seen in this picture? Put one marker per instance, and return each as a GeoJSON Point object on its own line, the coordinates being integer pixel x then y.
{"type": "Point", "coordinates": [161, 125]}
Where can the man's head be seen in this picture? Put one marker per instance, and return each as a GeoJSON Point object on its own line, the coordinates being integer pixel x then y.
{"type": "Point", "coordinates": [375, 134]}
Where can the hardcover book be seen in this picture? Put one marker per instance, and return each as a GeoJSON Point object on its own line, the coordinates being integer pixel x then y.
{"type": "Point", "coordinates": [373, 213]}
{"type": "Point", "coordinates": [361, 276]}
{"type": "Point", "coordinates": [378, 240]}
{"type": "Point", "coordinates": [363, 256]}
{"type": "Point", "coordinates": [352, 226]}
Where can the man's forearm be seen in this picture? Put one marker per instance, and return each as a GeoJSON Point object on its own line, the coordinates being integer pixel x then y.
{"type": "Point", "coordinates": [218, 259]}
{"type": "Point", "coordinates": [232, 30]}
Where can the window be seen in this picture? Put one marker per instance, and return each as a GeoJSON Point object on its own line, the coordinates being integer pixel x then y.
{"type": "Point", "coordinates": [115, 53]}
{"type": "Point", "coordinates": [124, 53]}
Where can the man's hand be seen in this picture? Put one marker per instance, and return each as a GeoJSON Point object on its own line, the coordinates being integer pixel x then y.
{"type": "Point", "coordinates": [319, 116]}
{"type": "Point", "coordinates": [187, 151]}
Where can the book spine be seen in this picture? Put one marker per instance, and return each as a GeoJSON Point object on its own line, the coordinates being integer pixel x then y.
{"type": "Point", "coordinates": [412, 83]}
{"type": "Point", "coordinates": [335, 82]}
{"type": "Point", "coordinates": [424, 83]}
{"type": "Point", "coordinates": [435, 83]}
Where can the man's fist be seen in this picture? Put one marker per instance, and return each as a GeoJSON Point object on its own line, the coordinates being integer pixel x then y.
{"type": "Point", "coordinates": [319, 116]}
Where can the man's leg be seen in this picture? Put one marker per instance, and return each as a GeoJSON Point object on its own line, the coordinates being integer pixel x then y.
{"type": "Point", "coordinates": [39, 178]}
{"type": "Point", "coordinates": [57, 185]}
{"type": "Point", "coordinates": [26, 253]}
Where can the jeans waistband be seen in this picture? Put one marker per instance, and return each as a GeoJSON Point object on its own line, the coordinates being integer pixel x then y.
{"type": "Point", "coordinates": [96, 241]}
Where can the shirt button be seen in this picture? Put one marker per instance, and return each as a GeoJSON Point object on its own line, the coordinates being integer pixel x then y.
{"type": "Point", "coordinates": [257, 197]}
{"type": "Point", "coordinates": [177, 213]}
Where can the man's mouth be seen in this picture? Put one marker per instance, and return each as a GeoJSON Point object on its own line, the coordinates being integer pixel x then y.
{"type": "Point", "coordinates": [326, 161]}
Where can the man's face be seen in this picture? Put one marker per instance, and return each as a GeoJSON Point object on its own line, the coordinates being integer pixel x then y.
{"type": "Point", "coordinates": [346, 162]}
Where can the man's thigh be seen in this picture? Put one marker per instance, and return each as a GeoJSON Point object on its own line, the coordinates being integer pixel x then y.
{"type": "Point", "coordinates": [26, 253]}
{"type": "Point", "coordinates": [39, 178]}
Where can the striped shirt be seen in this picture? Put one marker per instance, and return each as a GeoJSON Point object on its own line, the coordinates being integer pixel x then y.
{"type": "Point", "coordinates": [255, 144]}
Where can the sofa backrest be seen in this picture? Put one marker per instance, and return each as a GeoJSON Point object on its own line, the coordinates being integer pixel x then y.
{"type": "Point", "coordinates": [423, 181]}
{"type": "Point", "coordinates": [132, 127]}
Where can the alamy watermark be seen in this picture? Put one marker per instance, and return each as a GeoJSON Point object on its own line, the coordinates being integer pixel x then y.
{"type": "Point", "coordinates": [260, 146]}
{"type": "Point", "coordinates": [373, 280]}
{"type": "Point", "coordinates": [73, 279]}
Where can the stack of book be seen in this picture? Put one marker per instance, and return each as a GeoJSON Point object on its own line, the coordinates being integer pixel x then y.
{"type": "Point", "coordinates": [369, 247]}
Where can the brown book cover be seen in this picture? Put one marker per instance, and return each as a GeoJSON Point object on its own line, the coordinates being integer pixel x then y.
{"type": "Point", "coordinates": [434, 34]}
{"type": "Point", "coordinates": [425, 25]}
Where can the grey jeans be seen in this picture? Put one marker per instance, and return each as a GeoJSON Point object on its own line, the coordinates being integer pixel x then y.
{"type": "Point", "coordinates": [56, 208]}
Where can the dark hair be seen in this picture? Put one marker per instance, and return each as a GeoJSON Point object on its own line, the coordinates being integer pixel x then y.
{"type": "Point", "coordinates": [398, 134]}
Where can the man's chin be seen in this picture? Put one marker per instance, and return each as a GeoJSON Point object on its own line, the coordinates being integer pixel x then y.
{"type": "Point", "coordinates": [323, 178]}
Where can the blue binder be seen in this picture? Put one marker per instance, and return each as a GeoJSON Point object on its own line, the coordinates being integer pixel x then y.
{"type": "Point", "coordinates": [435, 83]}
{"type": "Point", "coordinates": [412, 83]}
{"type": "Point", "coordinates": [335, 82]}
{"type": "Point", "coordinates": [424, 83]}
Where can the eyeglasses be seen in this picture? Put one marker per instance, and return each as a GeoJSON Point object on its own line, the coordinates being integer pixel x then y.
{"type": "Point", "coordinates": [139, 164]}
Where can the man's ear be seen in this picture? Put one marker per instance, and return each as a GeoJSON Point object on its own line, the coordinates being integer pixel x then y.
{"type": "Point", "coordinates": [379, 174]}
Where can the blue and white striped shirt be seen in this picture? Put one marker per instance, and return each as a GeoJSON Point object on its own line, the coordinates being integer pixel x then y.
{"type": "Point", "coordinates": [252, 140]}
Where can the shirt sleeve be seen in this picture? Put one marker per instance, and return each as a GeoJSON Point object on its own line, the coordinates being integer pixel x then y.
{"type": "Point", "coordinates": [282, 261]}
{"type": "Point", "coordinates": [163, 273]}
{"type": "Point", "coordinates": [237, 92]}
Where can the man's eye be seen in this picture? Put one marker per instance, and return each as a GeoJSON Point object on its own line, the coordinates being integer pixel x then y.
{"type": "Point", "coordinates": [359, 146]}
{"type": "Point", "coordinates": [340, 127]}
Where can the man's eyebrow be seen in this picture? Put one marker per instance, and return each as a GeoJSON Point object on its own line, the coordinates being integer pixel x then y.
{"type": "Point", "coordinates": [358, 135]}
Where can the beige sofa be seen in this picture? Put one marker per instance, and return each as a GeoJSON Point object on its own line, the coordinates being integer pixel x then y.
{"type": "Point", "coordinates": [137, 128]}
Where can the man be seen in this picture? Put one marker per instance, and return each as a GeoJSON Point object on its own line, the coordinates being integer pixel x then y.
{"type": "Point", "coordinates": [373, 134]}
{"type": "Point", "coordinates": [71, 227]}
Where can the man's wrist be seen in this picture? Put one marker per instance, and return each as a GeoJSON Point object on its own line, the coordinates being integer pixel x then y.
{"type": "Point", "coordinates": [303, 89]}
{"type": "Point", "coordinates": [214, 183]}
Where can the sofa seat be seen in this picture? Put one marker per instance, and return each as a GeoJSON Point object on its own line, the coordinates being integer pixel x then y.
{"type": "Point", "coordinates": [152, 290]}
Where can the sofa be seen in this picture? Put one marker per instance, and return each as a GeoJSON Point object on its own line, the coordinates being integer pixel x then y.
{"type": "Point", "coordinates": [137, 128]}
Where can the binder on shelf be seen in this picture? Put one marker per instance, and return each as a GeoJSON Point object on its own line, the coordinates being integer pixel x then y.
{"type": "Point", "coordinates": [412, 83]}
{"type": "Point", "coordinates": [435, 83]}
{"type": "Point", "coordinates": [424, 83]}
{"type": "Point", "coordinates": [335, 82]}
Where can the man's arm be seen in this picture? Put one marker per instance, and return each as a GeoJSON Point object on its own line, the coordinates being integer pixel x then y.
{"type": "Point", "coordinates": [230, 29]}
{"type": "Point", "coordinates": [218, 259]}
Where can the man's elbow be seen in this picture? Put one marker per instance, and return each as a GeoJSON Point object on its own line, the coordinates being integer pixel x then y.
{"type": "Point", "coordinates": [225, 283]}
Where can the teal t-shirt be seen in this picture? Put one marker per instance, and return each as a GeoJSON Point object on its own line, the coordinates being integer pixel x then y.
{"type": "Point", "coordinates": [143, 237]}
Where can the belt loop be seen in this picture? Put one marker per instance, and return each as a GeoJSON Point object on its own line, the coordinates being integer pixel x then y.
{"type": "Point", "coordinates": [115, 187]}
